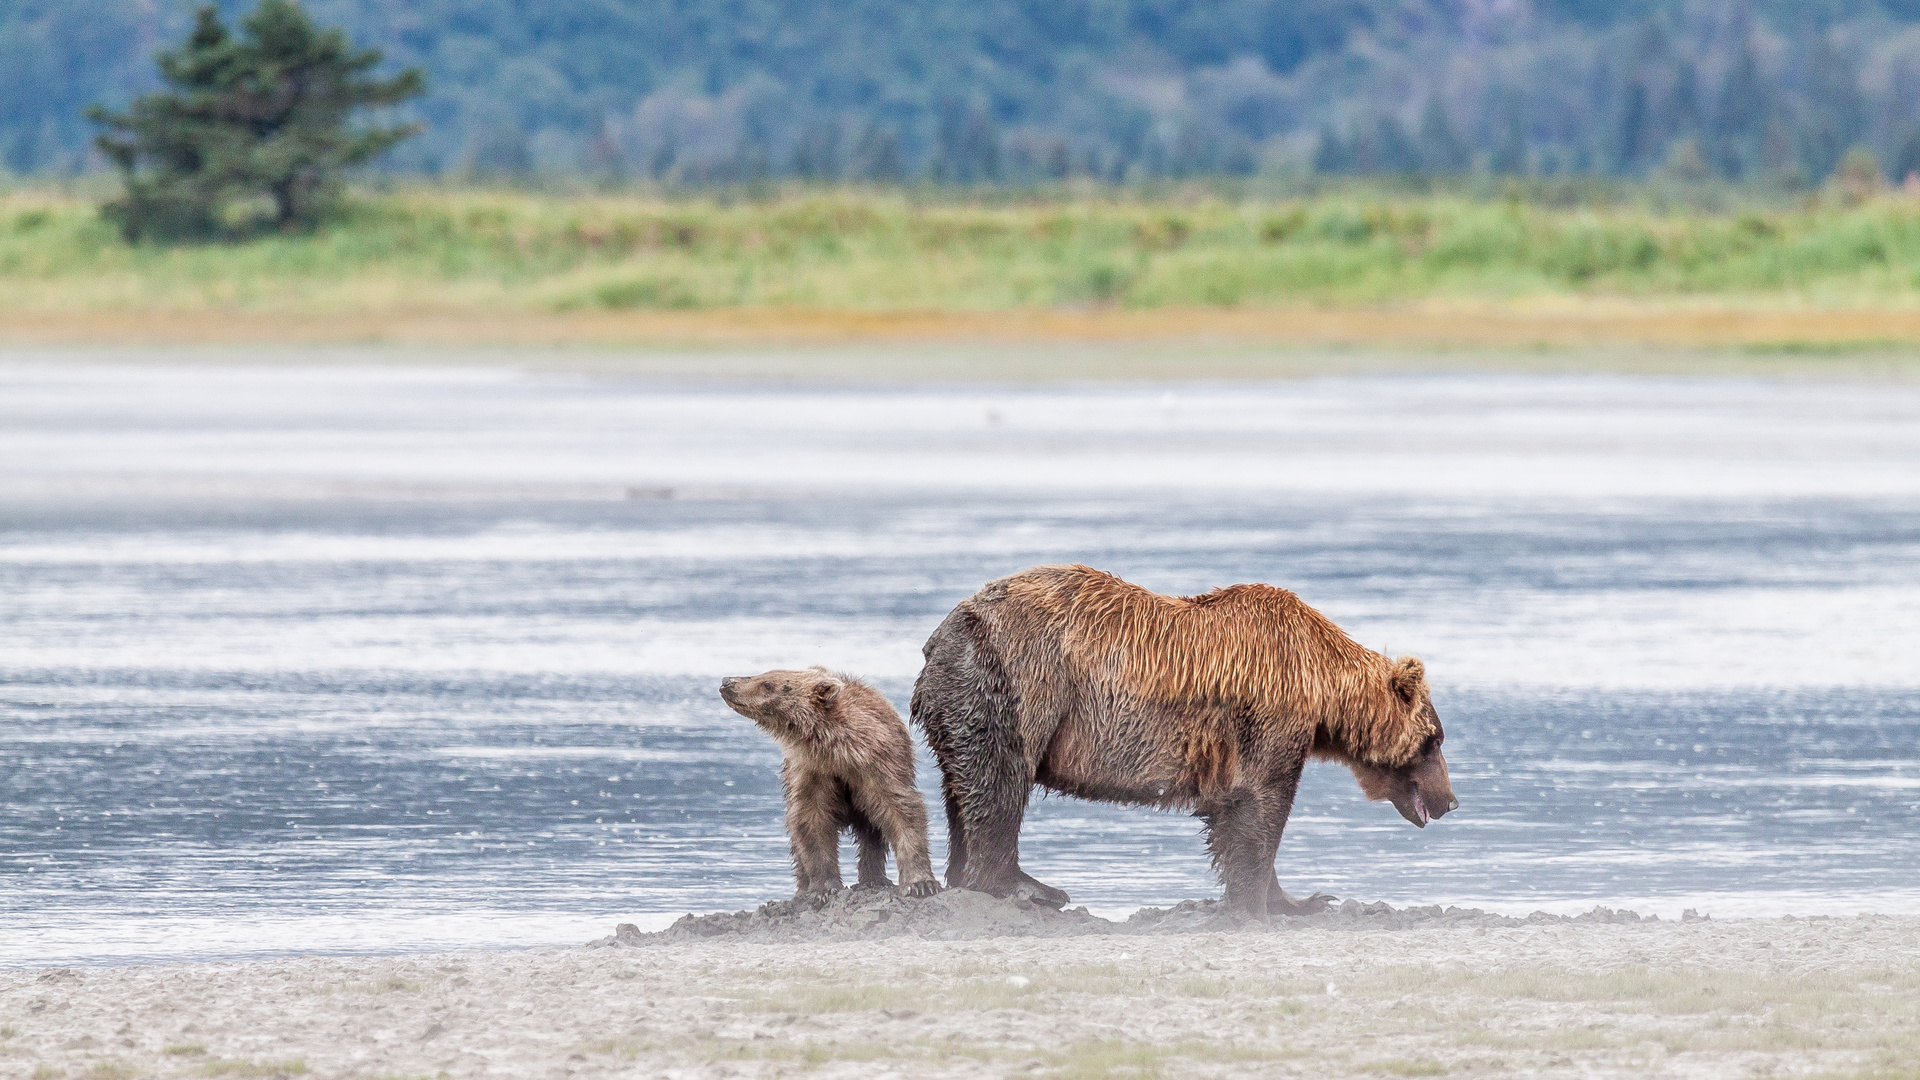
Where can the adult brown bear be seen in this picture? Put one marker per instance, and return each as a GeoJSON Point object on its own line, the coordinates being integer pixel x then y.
{"type": "Point", "coordinates": [1071, 678]}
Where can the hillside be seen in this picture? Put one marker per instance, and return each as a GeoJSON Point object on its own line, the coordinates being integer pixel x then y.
{"type": "Point", "coordinates": [697, 91]}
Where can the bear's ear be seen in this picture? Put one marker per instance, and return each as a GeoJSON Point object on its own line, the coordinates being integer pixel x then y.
{"type": "Point", "coordinates": [826, 692]}
{"type": "Point", "coordinates": [1409, 675]}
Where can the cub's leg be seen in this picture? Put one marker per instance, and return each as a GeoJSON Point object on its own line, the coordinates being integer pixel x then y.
{"type": "Point", "coordinates": [893, 805]}
{"type": "Point", "coordinates": [873, 850]}
{"type": "Point", "coordinates": [816, 811]}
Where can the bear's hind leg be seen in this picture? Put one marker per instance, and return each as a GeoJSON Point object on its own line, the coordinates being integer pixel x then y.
{"type": "Point", "coordinates": [928, 694]}
{"type": "Point", "coordinates": [991, 816]}
{"type": "Point", "coordinates": [895, 808]}
{"type": "Point", "coordinates": [873, 851]}
{"type": "Point", "coordinates": [956, 836]}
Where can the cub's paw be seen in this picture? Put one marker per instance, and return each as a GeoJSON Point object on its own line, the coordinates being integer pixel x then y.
{"type": "Point", "coordinates": [866, 886]}
{"type": "Point", "coordinates": [920, 890]}
{"type": "Point", "coordinates": [813, 900]}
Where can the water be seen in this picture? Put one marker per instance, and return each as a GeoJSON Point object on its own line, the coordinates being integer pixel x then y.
{"type": "Point", "coordinates": [370, 659]}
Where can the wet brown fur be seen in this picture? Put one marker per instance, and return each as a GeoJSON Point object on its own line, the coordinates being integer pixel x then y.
{"type": "Point", "coordinates": [847, 763]}
{"type": "Point", "coordinates": [1242, 644]}
{"type": "Point", "coordinates": [1074, 679]}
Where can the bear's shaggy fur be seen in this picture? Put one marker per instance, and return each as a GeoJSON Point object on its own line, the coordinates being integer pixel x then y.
{"type": "Point", "coordinates": [1071, 678]}
{"type": "Point", "coordinates": [847, 763]}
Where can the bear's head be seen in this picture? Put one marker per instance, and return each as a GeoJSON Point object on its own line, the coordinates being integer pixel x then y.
{"type": "Point", "coordinates": [1418, 787]}
{"type": "Point", "coordinates": [789, 705]}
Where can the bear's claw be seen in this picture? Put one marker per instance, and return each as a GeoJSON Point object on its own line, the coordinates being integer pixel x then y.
{"type": "Point", "coordinates": [1287, 905]}
{"type": "Point", "coordinates": [920, 890]}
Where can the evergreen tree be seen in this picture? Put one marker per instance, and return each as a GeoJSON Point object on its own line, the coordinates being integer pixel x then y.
{"type": "Point", "coordinates": [1906, 163]}
{"type": "Point", "coordinates": [1740, 123]}
{"type": "Point", "coordinates": [1394, 152]}
{"type": "Point", "coordinates": [1330, 155]}
{"type": "Point", "coordinates": [1683, 102]}
{"type": "Point", "coordinates": [262, 115]}
{"type": "Point", "coordinates": [1634, 142]}
{"type": "Point", "coordinates": [877, 155]}
{"type": "Point", "coordinates": [1441, 150]}
{"type": "Point", "coordinates": [1836, 112]}
{"type": "Point", "coordinates": [1510, 154]}
{"type": "Point", "coordinates": [1363, 150]}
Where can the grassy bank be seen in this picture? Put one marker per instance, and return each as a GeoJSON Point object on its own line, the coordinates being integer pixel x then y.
{"type": "Point", "coordinates": [553, 259]}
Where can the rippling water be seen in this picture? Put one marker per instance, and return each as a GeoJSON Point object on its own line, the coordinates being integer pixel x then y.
{"type": "Point", "coordinates": [326, 659]}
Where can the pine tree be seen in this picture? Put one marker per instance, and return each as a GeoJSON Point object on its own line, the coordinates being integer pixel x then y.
{"type": "Point", "coordinates": [262, 115]}
{"type": "Point", "coordinates": [1741, 122]}
{"type": "Point", "coordinates": [1395, 153]}
{"type": "Point", "coordinates": [1683, 102]}
{"type": "Point", "coordinates": [1441, 150]}
{"type": "Point", "coordinates": [1836, 112]}
{"type": "Point", "coordinates": [1510, 154]}
{"type": "Point", "coordinates": [1906, 163]}
{"type": "Point", "coordinates": [1633, 142]}
{"type": "Point", "coordinates": [1331, 156]}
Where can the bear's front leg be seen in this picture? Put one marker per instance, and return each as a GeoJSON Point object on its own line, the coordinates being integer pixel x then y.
{"type": "Point", "coordinates": [816, 808]}
{"type": "Point", "coordinates": [1279, 903]}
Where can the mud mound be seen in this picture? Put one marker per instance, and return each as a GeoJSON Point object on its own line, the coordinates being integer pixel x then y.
{"type": "Point", "coordinates": [959, 914]}
{"type": "Point", "coordinates": [1203, 916]}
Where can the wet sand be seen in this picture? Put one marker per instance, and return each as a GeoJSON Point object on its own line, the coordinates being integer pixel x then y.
{"type": "Point", "coordinates": [1832, 997]}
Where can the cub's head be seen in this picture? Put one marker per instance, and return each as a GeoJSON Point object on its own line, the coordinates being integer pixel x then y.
{"type": "Point", "coordinates": [1419, 788]}
{"type": "Point", "coordinates": [791, 704]}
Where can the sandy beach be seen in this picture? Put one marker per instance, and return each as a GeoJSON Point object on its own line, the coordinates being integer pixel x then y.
{"type": "Point", "coordinates": [1828, 997]}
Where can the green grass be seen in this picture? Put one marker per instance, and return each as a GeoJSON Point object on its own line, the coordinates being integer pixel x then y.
{"type": "Point", "coordinates": [432, 249]}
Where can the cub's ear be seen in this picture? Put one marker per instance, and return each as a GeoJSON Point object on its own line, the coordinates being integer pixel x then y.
{"type": "Point", "coordinates": [1409, 675]}
{"type": "Point", "coordinates": [826, 692]}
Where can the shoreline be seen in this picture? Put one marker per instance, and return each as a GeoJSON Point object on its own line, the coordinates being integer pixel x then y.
{"type": "Point", "coordinates": [962, 363]}
{"type": "Point", "coordinates": [126, 943]}
{"type": "Point", "coordinates": [1838, 996]}
{"type": "Point", "coordinates": [1557, 323]}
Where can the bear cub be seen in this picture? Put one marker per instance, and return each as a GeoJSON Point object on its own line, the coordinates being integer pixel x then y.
{"type": "Point", "coordinates": [848, 764]}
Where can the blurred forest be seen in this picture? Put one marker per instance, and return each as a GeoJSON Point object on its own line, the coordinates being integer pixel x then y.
{"type": "Point", "coordinates": [703, 92]}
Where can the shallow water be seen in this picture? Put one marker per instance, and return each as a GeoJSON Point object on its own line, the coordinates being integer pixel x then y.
{"type": "Point", "coordinates": [374, 659]}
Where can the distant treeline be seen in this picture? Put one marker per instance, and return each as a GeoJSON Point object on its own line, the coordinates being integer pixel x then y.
{"type": "Point", "coordinates": [700, 92]}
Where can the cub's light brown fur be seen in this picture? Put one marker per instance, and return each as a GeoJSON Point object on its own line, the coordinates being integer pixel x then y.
{"type": "Point", "coordinates": [847, 763]}
{"type": "Point", "coordinates": [1087, 685]}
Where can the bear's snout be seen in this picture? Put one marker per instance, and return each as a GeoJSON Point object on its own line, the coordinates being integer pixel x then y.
{"type": "Point", "coordinates": [728, 685]}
